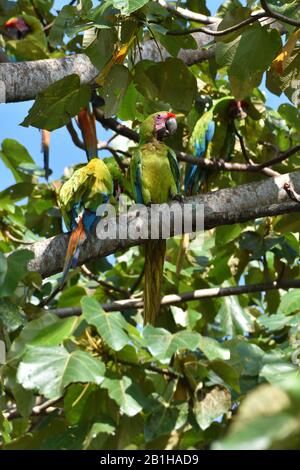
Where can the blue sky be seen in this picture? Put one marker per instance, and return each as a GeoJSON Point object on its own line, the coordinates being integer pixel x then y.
{"type": "Point", "coordinates": [62, 151]}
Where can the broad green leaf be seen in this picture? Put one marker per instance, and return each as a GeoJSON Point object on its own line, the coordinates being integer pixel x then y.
{"type": "Point", "coordinates": [114, 88]}
{"type": "Point", "coordinates": [162, 344]}
{"type": "Point", "coordinates": [13, 155]}
{"type": "Point", "coordinates": [246, 59]}
{"type": "Point", "coordinates": [169, 82]}
{"type": "Point", "coordinates": [227, 373]}
{"type": "Point", "coordinates": [290, 302]}
{"type": "Point", "coordinates": [11, 316]}
{"type": "Point", "coordinates": [71, 297]}
{"type": "Point", "coordinates": [111, 326]}
{"type": "Point", "coordinates": [64, 19]}
{"type": "Point", "coordinates": [162, 420]}
{"type": "Point", "coordinates": [16, 270]}
{"type": "Point", "coordinates": [50, 369]}
{"type": "Point", "coordinates": [120, 390]}
{"type": "Point", "coordinates": [213, 349]}
{"type": "Point", "coordinates": [55, 106]}
{"type": "Point", "coordinates": [128, 6]}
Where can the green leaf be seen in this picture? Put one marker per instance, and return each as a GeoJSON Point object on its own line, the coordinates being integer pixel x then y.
{"type": "Point", "coordinates": [56, 332]}
{"type": "Point", "coordinates": [161, 421]}
{"type": "Point", "coordinates": [50, 369]}
{"type": "Point", "coordinates": [13, 155]}
{"type": "Point", "coordinates": [213, 349]}
{"type": "Point", "coordinates": [246, 59]}
{"type": "Point", "coordinates": [120, 390]}
{"type": "Point", "coordinates": [170, 82]}
{"type": "Point", "coordinates": [11, 316]}
{"type": "Point", "coordinates": [215, 403]}
{"type": "Point", "coordinates": [128, 6]}
{"type": "Point", "coordinates": [63, 20]}
{"type": "Point", "coordinates": [16, 270]}
{"type": "Point", "coordinates": [114, 88]}
{"type": "Point", "coordinates": [290, 302]}
{"type": "Point", "coordinates": [111, 326]}
{"type": "Point", "coordinates": [71, 297]}
{"type": "Point", "coordinates": [162, 344]}
{"type": "Point", "coordinates": [56, 105]}
{"type": "Point", "coordinates": [227, 373]}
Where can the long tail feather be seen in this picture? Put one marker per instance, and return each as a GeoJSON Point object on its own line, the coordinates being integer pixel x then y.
{"type": "Point", "coordinates": [87, 123]}
{"type": "Point", "coordinates": [45, 151]}
{"type": "Point", "coordinates": [77, 238]}
{"type": "Point", "coordinates": [154, 265]}
{"type": "Point", "coordinates": [183, 247]}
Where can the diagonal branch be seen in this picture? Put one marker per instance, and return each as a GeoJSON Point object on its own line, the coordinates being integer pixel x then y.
{"type": "Point", "coordinates": [222, 207]}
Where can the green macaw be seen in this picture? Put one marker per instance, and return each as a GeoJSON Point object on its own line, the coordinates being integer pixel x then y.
{"type": "Point", "coordinates": [223, 112]}
{"type": "Point", "coordinates": [205, 132]}
{"type": "Point", "coordinates": [79, 197]}
{"type": "Point", "coordinates": [26, 39]}
{"type": "Point", "coordinates": [155, 178]}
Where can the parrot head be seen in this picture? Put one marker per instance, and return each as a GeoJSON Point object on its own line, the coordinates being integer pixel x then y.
{"type": "Point", "coordinates": [165, 124]}
{"type": "Point", "coordinates": [16, 28]}
{"type": "Point", "coordinates": [158, 125]}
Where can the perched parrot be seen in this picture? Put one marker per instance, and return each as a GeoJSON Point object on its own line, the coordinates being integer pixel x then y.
{"type": "Point", "coordinates": [89, 187]}
{"type": "Point", "coordinates": [87, 123]}
{"type": "Point", "coordinates": [224, 111]}
{"type": "Point", "coordinates": [155, 178]}
{"type": "Point", "coordinates": [26, 39]}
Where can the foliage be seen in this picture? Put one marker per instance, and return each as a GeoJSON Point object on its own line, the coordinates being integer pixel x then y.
{"type": "Point", "coordinates": [215, 373]}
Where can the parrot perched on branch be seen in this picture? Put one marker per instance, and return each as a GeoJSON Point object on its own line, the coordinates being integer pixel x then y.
{"type": "Point", "coordinates": [215, 124]}
{"type": "Point", "coordinates": [223, 112]}
{"type": "Point", "coordinates": [88, 188]}
{"type": "Point", "coordinates": [155, 178]}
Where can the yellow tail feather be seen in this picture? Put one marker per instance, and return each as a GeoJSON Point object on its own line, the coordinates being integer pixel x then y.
{"type": "Point", "coordinates": [154, 265]}
{"type": "Point", "coordinates": [183, 247]}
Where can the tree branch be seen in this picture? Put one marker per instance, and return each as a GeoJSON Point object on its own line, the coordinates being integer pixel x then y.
{"type": "Point", "coordinates": [222, 207]}
{"type": "Point", "coordinates": [218, 33]}
{"type": "Point", "coordinates": [175, 299]}
{"type": "Point", "coordinates": [278, 16]}
{"type": "Point", "coordinates": [188, 14]}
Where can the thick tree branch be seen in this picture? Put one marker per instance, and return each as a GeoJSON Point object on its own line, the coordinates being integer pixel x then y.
{"type": "Point", "coordinates": [175, 299]}
{"type": "Point", "coordinates": [226, 206]}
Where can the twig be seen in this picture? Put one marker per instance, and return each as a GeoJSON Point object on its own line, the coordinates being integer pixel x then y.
{"type": "Point", "coordinates": [113, 124]}
{"type": "Point", "coordinates": [137, 282]}
{"type": "Point", "coordinates": [74, 136]}
{"type": "Point", "coordinates": [123, 166]}
{"type": "Point", "coordinates": [46, 406]}
{"type": "Point", "coordinates": [16, 240]}
{"type": "Point", "coordinates": [175, 299]}
{"type": "Point", "coordinates": [291, 192]}
{"type": "Point", "coordinates": [278, 16]}
{"type": "Point", "coordinates": [223, 32]}
{"type": "Point", "coordinates": [167, 372]}
{"type": "Point", "coordinates": [108, 286]}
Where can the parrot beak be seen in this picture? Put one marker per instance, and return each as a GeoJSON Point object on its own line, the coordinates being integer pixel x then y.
{"type": "Point", "coordinates": [171, 123]}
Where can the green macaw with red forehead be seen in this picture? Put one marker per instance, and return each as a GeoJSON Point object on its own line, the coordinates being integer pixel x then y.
{"type": "Point", "coordinates": [155, 178]}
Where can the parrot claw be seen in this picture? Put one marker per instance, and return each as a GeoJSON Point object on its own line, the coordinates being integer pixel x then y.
{"type": "Point", "coordinates": [178, 198]}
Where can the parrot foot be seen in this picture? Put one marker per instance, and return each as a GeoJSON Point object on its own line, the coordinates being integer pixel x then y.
{"type": "Point", "coordinates": [178, 198]}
